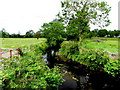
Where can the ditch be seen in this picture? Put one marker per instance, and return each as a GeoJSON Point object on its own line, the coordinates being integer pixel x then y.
{"type": "Point", "coordinates": [80, 77]}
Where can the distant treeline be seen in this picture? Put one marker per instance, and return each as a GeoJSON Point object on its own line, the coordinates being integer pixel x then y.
{"type": "Point", "coordinates": [29, 34]}
{"type": "Point", "coordinates": [38, 34]}
{"type": "Point", "coordinates": [104, 33]}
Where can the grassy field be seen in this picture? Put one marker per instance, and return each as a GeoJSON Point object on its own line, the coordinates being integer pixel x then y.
{"type": "Point", "coordinates": [19, 42]}
{"type": "Point", "coordinates": [111, 44]}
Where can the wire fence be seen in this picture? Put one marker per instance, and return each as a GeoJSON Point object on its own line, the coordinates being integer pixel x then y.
{"type": "Point", "coordinates": [6, 53]}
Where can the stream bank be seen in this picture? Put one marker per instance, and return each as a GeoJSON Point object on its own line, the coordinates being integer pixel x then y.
{"type": "Point", "coordinates": [80, 77]}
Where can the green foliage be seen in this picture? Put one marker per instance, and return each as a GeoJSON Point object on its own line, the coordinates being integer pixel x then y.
{"type": "Point", "coordinates": [30, 71]}
{"type": "Point", "coordinates": [53, 32]}
{"type": "Point", "coordinates": [113, 68]}
{"type": "Point", "coordinates": [77, 15]}
{"type": "Point", "coordinates": [38, 48]}
{"type": "Point", "coordinates": [95, 59]}
{"type": "Point", "coordinates": [4, 34]}
{"type": "Point", "coordinates": [29, 34]}
{"type": "Point", "coordinates": [37, 35]}
{"type": "Point", "coordinates": [102, 32]}
{"type": "Point", "coordinates": [70, 47]}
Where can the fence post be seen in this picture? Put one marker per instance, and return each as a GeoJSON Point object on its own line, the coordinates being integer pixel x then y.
{"type": "Point", "coordinates": [10, 54]}
{"type": "Point", "coordinates": [0, 54]}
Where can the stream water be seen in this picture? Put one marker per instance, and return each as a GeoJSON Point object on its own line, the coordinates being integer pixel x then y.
{"type": "Point", "coordinates": [80, 77]}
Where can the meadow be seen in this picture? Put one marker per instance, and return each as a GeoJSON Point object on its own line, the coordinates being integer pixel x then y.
{"type": "Point", "coordinates": [19, 42]}
{"type": "Point", "coordinates": [110, 44]}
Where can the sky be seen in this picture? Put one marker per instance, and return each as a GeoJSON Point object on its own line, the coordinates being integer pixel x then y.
{"type": "Point", "coordinates": [20, 16]}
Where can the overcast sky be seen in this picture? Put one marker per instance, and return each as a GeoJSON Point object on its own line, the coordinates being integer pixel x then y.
{"type": "Point", "coordinates": [23, 15]}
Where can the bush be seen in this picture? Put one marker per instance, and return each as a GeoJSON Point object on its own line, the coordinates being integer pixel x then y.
{"type": "Point", "coordinates": [113, 68]}
{"type": "Point", "coordinates": [95, 59]}
{"type": "Point", "coordinates": [30, 71]}
{"type": "Point", "coordinates": [70, 47]}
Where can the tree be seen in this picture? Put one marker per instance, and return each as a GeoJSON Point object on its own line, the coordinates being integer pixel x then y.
{"type": "Point", "coordinates": [102, 33]}
{"type": "Point", "coordinates": [111, 33]}
{"type": "Point", "coordinates": [37, 35]}
{"type": "Point", "coordinates": [29, 34]}
{"type": "Point", "coordinates": [116, 32]}
{"type": "Point", "coordinates": [54, 33]}
{"type": "Point", "coordinates": [4, 34]}
{"type": "Point", "coordinates": [77, 15]}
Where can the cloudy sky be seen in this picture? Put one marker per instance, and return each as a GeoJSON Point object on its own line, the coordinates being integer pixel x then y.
{"type": "Point", "coordinates": [23, 15]}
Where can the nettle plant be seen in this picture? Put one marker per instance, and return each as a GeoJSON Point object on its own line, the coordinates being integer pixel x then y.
{"type": "Point", "coordinates": [113, 68]}
{"type": "Point", "coordinates": [30, 71]}
{"type": "Point", "coordinates": [95, 59]}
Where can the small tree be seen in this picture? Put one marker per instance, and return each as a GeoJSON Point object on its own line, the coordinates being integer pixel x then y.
{"type": "Point", "coordinates": [54, 33]}
{"type": "Point", "coordinates": [102, 32]}
{"type": "Point", "coordinates": [4, 34]}
{"type": "Point", "coordinates": [37, 35]}
{"type": "Point", "coordinates": [29, 34]}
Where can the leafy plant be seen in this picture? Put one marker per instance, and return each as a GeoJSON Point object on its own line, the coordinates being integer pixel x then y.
{"type": "Point", "coordinates": [113, 68]}
{"type": "Point", "coordinates": [95, 59]}
{"type": "Point", "coordinates": [30, 71]}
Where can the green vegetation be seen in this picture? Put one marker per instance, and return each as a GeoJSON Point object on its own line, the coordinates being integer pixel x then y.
{"type": "Point", "coordinates": [73, 23]}
{"type": "Point", "coordinates": [30, 71]}
{"type": "Point", "coordinates": [54, 33]}
{"type": "Point", "coordinates": [113, 68]}
{"type": "Point", "coordinates": [110, 45]}
{"type": "Point", "coordinates": [108, 38]}
{"type": "Point", "coordinates": [20, 42]}
{"type": "Point", "coordinates": [95, 59]}
{"type": "Point", "coordinates": [77, 15]}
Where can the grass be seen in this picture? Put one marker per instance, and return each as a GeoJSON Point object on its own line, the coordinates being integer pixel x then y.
{"type": "Point", "coordinates": [111, 44]}
{"type": "Point", "coordinates": [116, 39]}
{"type": "Point", "coordinates": [19, 42]}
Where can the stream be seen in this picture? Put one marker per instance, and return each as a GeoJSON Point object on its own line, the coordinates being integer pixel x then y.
{"type": "Point", "coordinates": [80, 77]}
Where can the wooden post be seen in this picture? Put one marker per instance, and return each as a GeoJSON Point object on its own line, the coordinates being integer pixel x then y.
{"type": "Point", "coordinates": [0, 54]}
{"type": "Point", "coordinates": [10, 54]}
{"type": "Point", "coordinates": [17, 52]}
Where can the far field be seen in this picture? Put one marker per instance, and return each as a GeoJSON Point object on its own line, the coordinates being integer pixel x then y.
{"type": "Point", "coordinates": [111, 44]}
{"type": "Point", "coordinates": [19, 42]}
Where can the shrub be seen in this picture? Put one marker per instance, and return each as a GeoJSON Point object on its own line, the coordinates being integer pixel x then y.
{"type": "Point", "coordinates": [30, 71]}
{"type": "Point", "coordinates": [93, 58]}
{"type": "Point", "coordinates": [113, 68]}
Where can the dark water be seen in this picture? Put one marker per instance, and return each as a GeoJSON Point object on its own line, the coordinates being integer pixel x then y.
{"type": "Point", "coordinates": [80, 77]}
